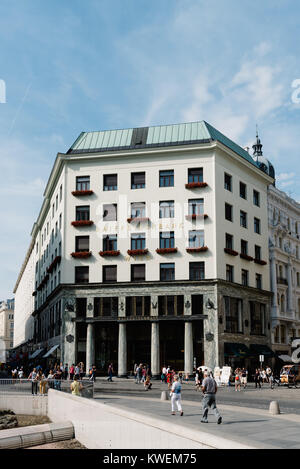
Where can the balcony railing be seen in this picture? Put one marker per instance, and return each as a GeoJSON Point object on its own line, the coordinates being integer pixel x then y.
{"type": "Point", "coordinates": [82, 193]}
{"type": "Point", "coordinates": [282, 280]}
{"type": "Point", "coordinates": [195, 185]}
{"type": "Point", "coordinates": [81, 254]}
{"type": "Point", "coordinates": [82, 223]}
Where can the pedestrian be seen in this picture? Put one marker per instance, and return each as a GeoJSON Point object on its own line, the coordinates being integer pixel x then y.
{"type": "Point", "coordinates": [76, 387]}
{"type": "Point", "coordinates": [268, 373]}
{"type": "Point", "coordinates": [66, 371]}
{"type": "Point", "coordinates": [110, 372]}
{"type": "Point", "coordinates": [21, 373]}
{"type": "Point", "coordinates": [34, 381]}
{"type": "Point", "coordinates": [169, 379]}
{"type": "Point", "coordinates": [42, 380]}
{"type": "Point", "coordinates": [237, 379]}
{"type": "Point", "coordinates": [144, 374]}
{"type": "Point", "coordinates": [147, 383]}
{"type": "Point", "coordinates": [81, 370]}
{"type": "Point", "coordinates": [209, 389]}
{"type": "Point", "coordinates": [176, 396]}
{"type": "Point", "coordinates": [57, 379]}
{"type": "Point", "coordinates": [139, 374]}
{"type": "Point", "coordinates": [50, 379]}
{"type": "Point", "coordinates": [257, 378]}
{"type": "Point", "coordinates": [164, 374]}
{"type": "Point", "coordinates": [77, 371]}
{"type": "Point", "coordinates": [72, 371]}
{"type": "Point", "coordinates": [244, 376]}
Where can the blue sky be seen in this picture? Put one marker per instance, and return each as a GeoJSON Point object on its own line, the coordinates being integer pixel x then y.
{"type": "Point", "coordinates": [71, 66]}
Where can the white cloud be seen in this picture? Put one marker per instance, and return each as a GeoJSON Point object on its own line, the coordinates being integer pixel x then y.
{"type": "Point", "coordinates": [285, 176]}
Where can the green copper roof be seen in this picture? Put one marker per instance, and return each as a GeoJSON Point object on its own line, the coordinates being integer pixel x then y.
{"type": "Point", "coordinates": [156, 136]}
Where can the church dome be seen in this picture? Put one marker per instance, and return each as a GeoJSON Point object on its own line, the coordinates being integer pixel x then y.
{"type": "Point", "coordinates": [263, 163]}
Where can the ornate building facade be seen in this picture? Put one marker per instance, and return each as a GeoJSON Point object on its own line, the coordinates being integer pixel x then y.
{"type": "Point", "coordinates": [151, 246]}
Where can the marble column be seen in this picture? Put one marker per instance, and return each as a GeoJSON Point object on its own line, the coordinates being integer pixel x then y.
{"type": "Point", "coordinates": [155, 355]}
{"type": "Point", "coordinates": [90, 347]}
{"type": "Point", "coordinates": [122, 351]}
{"type": "Point", "coordinates": [188, 348]}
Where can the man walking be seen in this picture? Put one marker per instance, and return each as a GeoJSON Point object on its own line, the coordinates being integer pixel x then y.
{"type": "Point", "coordinates": [209, 389]}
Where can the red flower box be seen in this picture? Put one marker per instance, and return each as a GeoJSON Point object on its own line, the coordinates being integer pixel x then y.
{"type": "Point", "coordinates": [194, 185]}
{"type": "Point", "coordinates": [166, 250]}
{"type": "Point", "coordinates": [82, 223]}
{"type": "Point", "coordinates": [191, 250]}
{"type": "Point", "coordinates": [231, 252]}
{"type": "Point", "coordinates": [246, 257]}
{"type": "Point", "coordinates": [109, 253]}
{"type": "Point", "coordinates": [53, 264]}
{"type": "Point", "coordinates": [81, 255]}
{"type": "Point", "coordinates": [259, 261]}
{"type": "Point", "coordinates": [79, 193]}
{"type": "Point", "coordinates": [195, 216]}
{"type": "Point", "coordinates": [137, 219]}
{"type": "Point", "coordinates": [137, 252]}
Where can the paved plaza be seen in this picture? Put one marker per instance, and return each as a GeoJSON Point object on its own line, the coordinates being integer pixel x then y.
{"type": "Point", "coordinates": [246, 418]}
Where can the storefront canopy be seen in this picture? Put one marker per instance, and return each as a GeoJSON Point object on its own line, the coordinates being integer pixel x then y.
{"type": "Point", "coordinates": [36, 353]}
{"type": "Point", "coordinates": [50, 351]}
{"type": "Point", "coordinates": [232, 349]}
{"type": "Point", "coordinates": [261, 349]}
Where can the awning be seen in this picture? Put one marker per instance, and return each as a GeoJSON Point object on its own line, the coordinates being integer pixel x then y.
{"type": "Point", "coordinates": [261, 349]}
{"type": "Point", "coordinates": [236, 350]}
{"type": "Point", "coordinates": [50, 351]}
{"type": "Point", "coordinates": [36, 353]}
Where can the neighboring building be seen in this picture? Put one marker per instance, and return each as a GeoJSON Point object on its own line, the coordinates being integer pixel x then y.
{"type": "Point", "coordinates": [6, 328]}
{"type": "Point", "coordinates": [151, 246]}
{"type": "Point", "coordinates": [284, 227]}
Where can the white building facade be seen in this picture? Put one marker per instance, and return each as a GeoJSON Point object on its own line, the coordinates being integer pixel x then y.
{"type": "Point", "coordinates": [284, 227]}
{"type": "Point", "coordinates": [151, 246]}
{"type": "Point", "coordinates": [6, 329]}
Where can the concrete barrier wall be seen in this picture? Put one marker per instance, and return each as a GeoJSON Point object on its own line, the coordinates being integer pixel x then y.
{"type": "Point", "coordinates": [27, 405]}
{"type": "Point", "coordinates": [103, 426]}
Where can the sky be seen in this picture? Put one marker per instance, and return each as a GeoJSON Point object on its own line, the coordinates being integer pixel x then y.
{"type": "Point", "coordinates": [72, 66]}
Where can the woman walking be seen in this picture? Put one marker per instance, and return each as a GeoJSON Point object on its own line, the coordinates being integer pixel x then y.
{"type": "Point", "coordinates": [176, 396]}
{"type": "Point", "coordinates": [237, 379]}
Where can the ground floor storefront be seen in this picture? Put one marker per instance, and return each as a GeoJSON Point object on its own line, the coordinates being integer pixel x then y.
{"type": "Point", "coordinates": [178, 324]}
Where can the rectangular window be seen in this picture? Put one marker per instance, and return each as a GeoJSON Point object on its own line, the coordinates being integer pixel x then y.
{"type": "Point", "coordinates": [82, 243]}
{"type": "Point", "coordinates": [233, 315]}
{"type": "Point", "coordinates": [83, 213]}
{"type": "Point", "coordinates": [138, 272]}
{"type": "Point", "coordinates": [256, 200]}
{"type": "Point", "coordinates": [138, 305]}
{"type": "Point", "coordinates": [166, 239]}
{"type": "Point", "coordinates": [110, 242]}
{"type": "Point", "coordinates": [60, 221]}
{"type": "Point", "coordinates": [195, 175]}
{"type": "Point", "coordinates": [81, 274]}
{"type": "Point", "coordinates": [257, 252]}
{"type": "Point", "coordinates": [110, 182]}
{"type": "Point", "coordinates": [256, 225]}
{"type": "Point", "coordinates": [245, 275]}
{"type": "Point", "coordinates": [196, 239]}
{"type": "Point", "coordinates": [258, 279]}
{"type": "Point", "coordinates": [227, 182]}
{"type": "Point", "coordinates": [60, 193]}
{"type": "Point", "coordinates": [166, 178]}
{"type": "Point", "coordinates": [228, 212]}
{"type": "Point", "coordinates": [243, 190]}
{"type": "Point", "coordinates": [138, 210]}
{"type": "Point", "coordinates": [166, 209]}
{"type": "Point", "coordinates": [109, 273]}
{"type": "Point", "coordinates": [170, 305]}
{"type": "Point", "coordinates": [196, 206]}
{"type": "Point", "coordinates": [138, 241]}
{"type": "Point", "coordinates": [109, 212]}
{"type": "Point", "coordinates": [257, 318]}
{"type": "Point", "coordinates": [197, 270]}
{"type": "Point", "coordinates": [229, 273]}
{"type": "Point", "coordinates": [243, 219]}
{"type": "Point", "coordinates": [106, 306]}
{"type": "Point", "coordinates": [244, 247]}
{"type": "Point", "coordinates": [138, 180]}
{"type": "Point", "coordinates": [83, 183]}
{"type": "Point", "coordinates": [228, 241]}
{"type": "Point", "coordinates": [167, 272]}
